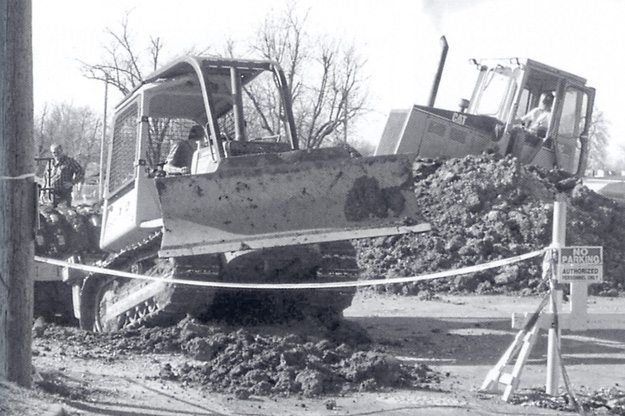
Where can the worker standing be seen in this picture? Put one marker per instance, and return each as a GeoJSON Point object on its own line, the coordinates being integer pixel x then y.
{"type": "Point", "coordinates": [66, 173]}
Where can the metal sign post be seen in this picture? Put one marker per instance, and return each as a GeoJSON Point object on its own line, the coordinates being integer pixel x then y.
{"type": "Point", "coordinates": [555, 306]}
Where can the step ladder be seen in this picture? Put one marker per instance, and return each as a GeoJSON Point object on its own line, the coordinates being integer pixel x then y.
{"type": "Point", "coordinates": [521, 348]}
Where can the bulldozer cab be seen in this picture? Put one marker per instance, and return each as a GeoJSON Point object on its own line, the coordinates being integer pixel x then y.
{"type": "Point", "coordinates": [506, 90]}
{"type": "Point", "coordinates": [509, 89]}
{"type": "Point", "coordinates": [192, 91]}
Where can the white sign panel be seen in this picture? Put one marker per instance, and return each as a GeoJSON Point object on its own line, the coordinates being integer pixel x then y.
{"type": "Point", "coordinates": [580, 264]}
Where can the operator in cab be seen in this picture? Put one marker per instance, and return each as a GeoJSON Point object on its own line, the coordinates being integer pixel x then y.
{"type": "Point", "coordinates": [180, 156]}
{"type": "Point", "coordinates": [537, 120]}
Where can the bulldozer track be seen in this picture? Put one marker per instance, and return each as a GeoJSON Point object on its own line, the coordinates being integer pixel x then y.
{"type": "Point", "coordinates": [112, 303]}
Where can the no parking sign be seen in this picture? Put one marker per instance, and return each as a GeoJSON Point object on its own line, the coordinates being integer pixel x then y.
{"type": "Point", "coordinates": [580, 264]}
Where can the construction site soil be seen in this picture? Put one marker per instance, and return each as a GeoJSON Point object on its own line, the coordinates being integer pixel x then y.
{"type": "Point", "coordinates": [485, 208]}
{"type": "Point", "coordinates": [481, 208]}
{"type": "Point", "coordinates": [425, 357]}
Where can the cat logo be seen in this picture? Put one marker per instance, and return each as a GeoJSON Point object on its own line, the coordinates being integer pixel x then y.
{"type": "Point", "coordinates": [459, 118]}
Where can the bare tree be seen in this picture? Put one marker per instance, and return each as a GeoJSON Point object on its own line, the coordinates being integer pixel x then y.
{"type": "Point", "coordinates": [599, 141]}
{"type": "Point", "coordinates": [338, 96]}
{"type": "Point", "coordinates": [125, 67]}
{"type": "Point", "coordinates": [77, 129]}
{"type": "Point", "coordinates": [122, 66]}
{"type": "Point", "coordinates": [325, 78]}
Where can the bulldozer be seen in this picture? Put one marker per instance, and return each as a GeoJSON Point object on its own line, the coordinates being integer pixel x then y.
{"type": "Point", "coordinates": [250, 207]}
{"type": "Point", "coordinates": [505, 90]}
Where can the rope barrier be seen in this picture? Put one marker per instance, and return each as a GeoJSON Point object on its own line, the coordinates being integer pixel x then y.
{"type": "Point", "coordinates": [294, 286]}
{"type": "Point", "coordinates": [17, 178]}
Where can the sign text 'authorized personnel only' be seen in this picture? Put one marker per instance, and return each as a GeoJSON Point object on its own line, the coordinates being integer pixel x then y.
{"type": "Point", "coordinates": [580, 263]}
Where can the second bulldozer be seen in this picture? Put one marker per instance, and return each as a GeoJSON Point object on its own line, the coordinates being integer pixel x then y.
{"type": "Point", "coordinates": [493, 119]}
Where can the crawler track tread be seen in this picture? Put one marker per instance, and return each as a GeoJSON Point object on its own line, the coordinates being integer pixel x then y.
{"type": "Point", "coordinates": [111, 303]}
{"type": "Point", "coordinates": [164, 305]}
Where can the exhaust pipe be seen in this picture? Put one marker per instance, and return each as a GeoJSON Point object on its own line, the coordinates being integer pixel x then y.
{"type": "Point", "coordinates": [439, 72]}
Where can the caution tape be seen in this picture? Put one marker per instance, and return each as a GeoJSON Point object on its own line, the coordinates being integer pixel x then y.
{"type": "Point", "coordinates": [273, 286]}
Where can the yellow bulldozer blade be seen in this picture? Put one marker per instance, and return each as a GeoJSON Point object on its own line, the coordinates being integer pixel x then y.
{"type": "Point", "coordinates": [283, 199]}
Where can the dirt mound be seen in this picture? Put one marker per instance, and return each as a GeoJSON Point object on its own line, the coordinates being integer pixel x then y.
{"type": "Point", "coordinates": [66, 231]}
{"type": "Point", "coordinates": [485, 208]}
{"type": "Point", "coordinates": [304, 359]}
{"type": "Point", "coordinates": [247, 362]}
{"type": "Point", "coordinates": [61, 233]}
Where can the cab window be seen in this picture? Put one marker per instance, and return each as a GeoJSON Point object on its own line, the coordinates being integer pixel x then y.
{"type": "Point", "coordinates": [572, 121]}
{"type": "Point", "coordinates": [572, 125]}
{"type": "Point", "coordinates": [493, 93]}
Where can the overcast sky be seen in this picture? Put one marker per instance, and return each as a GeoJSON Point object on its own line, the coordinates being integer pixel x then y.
{"type": "Point", "coordinates": [399, 39]}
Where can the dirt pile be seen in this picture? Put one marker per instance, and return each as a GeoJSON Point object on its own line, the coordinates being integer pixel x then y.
{"type": "Point", "coordinates": [301, 360]}
{"type": "Point", "coordinates": [485, 208]}
{"type": "Point", "coordinates": [247, 362]}
{"type": "Point", "coordinates": [66, 231]}
{"type": "Point", "coordinates": [63, 232]}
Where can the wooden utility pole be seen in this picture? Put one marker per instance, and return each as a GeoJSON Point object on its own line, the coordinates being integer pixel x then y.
{"type": "Point", "coordinates": [17, 191]}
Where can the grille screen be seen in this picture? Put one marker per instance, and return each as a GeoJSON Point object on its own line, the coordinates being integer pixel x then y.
{"type": "Point", "coordinates": [123, 149]}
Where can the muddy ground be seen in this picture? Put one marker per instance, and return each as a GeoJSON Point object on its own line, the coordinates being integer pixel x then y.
{"type": "Point", "coordinates": [415, 348]}
{"type": "Point", "coordinates": [453, 341]}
